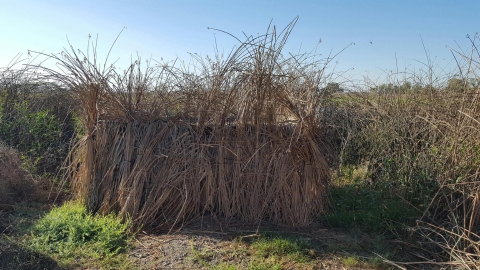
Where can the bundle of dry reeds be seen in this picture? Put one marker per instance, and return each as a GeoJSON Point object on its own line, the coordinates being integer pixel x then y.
{"type": "Point", "coordinates": [236, 139]}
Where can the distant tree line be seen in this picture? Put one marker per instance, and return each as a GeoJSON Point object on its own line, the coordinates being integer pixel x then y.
{"type": "Point", "coordinates": [458, 85]}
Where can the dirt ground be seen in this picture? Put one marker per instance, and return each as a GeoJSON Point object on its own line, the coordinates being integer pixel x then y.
{"type": "Point", "coordinates": [208, 244]}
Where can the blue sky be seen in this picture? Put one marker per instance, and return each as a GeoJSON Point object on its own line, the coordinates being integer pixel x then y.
{"type": "Point", "coordinates": [386, 33]}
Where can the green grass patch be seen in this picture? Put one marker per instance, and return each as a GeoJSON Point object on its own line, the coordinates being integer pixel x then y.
{"type": "Point", "coordinates": [369, 210]}
{"type": "Point", "coordinates": [296, 249]}
{"type": "Point", "coordinates": [357, 203]}
{"type": "Point", "coordinates": [370, 263]}
{"type": "Point", "coordinates": [278, 251]}
{"type": "Point", "coordinates": [72, 236]}
{"type": "Point", "coordinates": [268, 251]}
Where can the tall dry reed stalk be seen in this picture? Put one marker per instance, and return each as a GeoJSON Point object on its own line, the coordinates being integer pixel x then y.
{"type": "Point", "coordinates": [451, 222]}
{"type": "Point", "coordinates": [421, 141]}
{"type": "Point", "coordinates": [236, 139]}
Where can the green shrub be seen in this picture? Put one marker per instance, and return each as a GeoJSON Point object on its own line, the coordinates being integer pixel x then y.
{"type": "Point", "coordinates": [70, 231]}
{"type": "Point", "coordinates": [30, 132]}
{"type": "Point", "coordinates": [39, 134]}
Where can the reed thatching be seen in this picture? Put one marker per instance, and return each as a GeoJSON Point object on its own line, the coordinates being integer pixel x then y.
{"type": "Point", "coordinates": [234, 137]}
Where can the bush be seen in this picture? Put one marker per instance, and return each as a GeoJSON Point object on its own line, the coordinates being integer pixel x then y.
{"type": "Point", "coordinates": [30, 132]}
{"type": "Point", "coordinates": [70, 230]}
{"type": "Point", "coordinates": [42, 133]}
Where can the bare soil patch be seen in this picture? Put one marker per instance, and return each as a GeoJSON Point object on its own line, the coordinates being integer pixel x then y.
{"type": "Point", "coordinates": [209, 244]}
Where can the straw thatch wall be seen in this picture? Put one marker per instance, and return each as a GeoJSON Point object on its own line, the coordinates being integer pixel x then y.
{"type": "Point", "coordinates": [233, 137]}
{"type": "Point", "coordinates": [165, 173]}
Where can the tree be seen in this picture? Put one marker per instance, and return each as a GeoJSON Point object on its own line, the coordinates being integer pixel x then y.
{"type": "Point", "coordinates": [457, 85]}
{"type": "Point", "coordinates": [331, 88]}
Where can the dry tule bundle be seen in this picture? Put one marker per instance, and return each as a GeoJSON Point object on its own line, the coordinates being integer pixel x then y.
{"type": "Point", "coordinates": [237, 139]}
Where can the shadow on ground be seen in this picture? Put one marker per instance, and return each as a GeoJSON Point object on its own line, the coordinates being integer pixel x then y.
{"type": "Point", "coordinates": [13, 256]}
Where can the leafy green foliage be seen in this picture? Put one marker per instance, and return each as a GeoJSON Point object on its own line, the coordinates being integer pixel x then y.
{"type": "Point", "coordinates": [30, 132]}
{"type": "Point", "coordinates": [351, 261]}
{"type": "Point", "coordinates": [40, 130]}
{"type": "Point", "coordinates": [70, 231]}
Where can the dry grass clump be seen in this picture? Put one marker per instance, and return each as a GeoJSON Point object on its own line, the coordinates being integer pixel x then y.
{"type": "Point", "coordinates": [13, 179]}
{"type": "Point", "coordinates": [235, 138]}
{"type": "Point", "coordinates": [452, 220]}
{"type": "Point", "coordinates": [17, 184]}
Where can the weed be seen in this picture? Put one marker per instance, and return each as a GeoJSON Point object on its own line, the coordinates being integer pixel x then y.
{"type": "Point", "coordinates": [351, 261]}
{"type": "Point", "coordinates": [225, 267]}
{"type": "Point", "coordinates": [297, 250]}
{"type": "Point", "coordinates": [201, 256]}
{"type": "Point", "coordinates": [71, 235]}
{"type": "Point", "coordinates": [262, 265]}
{"type": "Point", "coordinates": [272, 251]}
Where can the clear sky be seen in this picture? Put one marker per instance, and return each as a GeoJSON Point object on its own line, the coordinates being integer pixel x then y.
{"type": "Point", "coordinates": [386, 33]}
